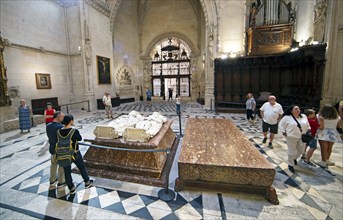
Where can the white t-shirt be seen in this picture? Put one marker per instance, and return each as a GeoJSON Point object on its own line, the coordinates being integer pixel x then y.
{"type": "Point", "coordinates": [107, 100]}
{"type": "Point", "coordinates": [289, 126]}
{"type": "Point", "coordinates": [331, 124]}
{"type": "Point", "coordinates": [271, 112]}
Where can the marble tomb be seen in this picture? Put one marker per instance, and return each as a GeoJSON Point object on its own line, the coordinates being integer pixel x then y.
{"type": "Point", "coordinates": [133, 131]}
{"type": "Point", "coordinates": [216, 155]}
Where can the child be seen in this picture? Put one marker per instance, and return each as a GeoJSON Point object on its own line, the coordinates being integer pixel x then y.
{"type": "Point", "coordinates": [178, 104]}
{"type": "Point", "coordinates": [312, 120]}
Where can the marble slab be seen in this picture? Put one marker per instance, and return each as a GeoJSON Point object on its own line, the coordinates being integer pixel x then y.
{"type": "Point", "coordinates": [216, 154]}
{"type": "Point", "coordinates": [141, 167]}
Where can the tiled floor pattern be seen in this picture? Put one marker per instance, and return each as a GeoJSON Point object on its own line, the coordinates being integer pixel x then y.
{"type": "Point", "coordinates": [310, 193]}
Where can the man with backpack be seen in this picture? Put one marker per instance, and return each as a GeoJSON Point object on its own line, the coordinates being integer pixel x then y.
{"type": "Point", "coordinates": [67, 152]}
{"type": "Point", "coordinates": [51, 131]}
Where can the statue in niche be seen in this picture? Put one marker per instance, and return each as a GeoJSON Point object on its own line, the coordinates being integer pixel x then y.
{"type": "Point", "coordinates": [124, 76]}
{"type": "Point", "coordinates": [5, 99]}
{"type": "Point", "coordinates": [319, 21]}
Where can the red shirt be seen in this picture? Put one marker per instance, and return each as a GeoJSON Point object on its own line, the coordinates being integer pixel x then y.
{"type": "Point", "coordinates": [314, 125]}
{"type": "Point", "coordinates": [49, 112]}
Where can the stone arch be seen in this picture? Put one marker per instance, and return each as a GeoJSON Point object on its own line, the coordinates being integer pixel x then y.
{"type": "Point", "coordinates": [209, 8]}
{"type": "Point", "coordinates": [166, 35]}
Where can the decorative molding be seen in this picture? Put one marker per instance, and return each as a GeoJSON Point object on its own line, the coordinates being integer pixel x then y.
{"type": "Point", "coordinates": [171, 34]}
{"type": "Point", "coordinates": [100, 6]}
{"type": "Point", "coordinates": [114, 8]}
{"type": "Point", "coordinates": [38, 49]}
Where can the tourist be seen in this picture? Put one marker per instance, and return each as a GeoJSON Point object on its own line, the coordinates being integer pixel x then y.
{"type": "Point", "coordinates": [51, 132]}
{"type": "Point", "coordinates": [327, 133]}
{"type": "Point", "coordinates": [68, 122]}
{"type": "Point", "coordinates": [170, 94]}
{"type": "Point", "coordinates": [271, 113]}
{"type": "Point", "coordinates": [250, 106]}
{"type": "Point", "coordinates": [49, 113]}
{"type": "Point", "coordinates": [293, 125]}
{"type": "Point", "coordinates": [148, 97]}
{"type": "Point", "coordinates": [24, 112]}
{"type": "Point", "coordinates": [312, 120]}
{"type": "Point", "coordinates": [106, 100]}
{"type": "Point", "coordinates": [178, 104]}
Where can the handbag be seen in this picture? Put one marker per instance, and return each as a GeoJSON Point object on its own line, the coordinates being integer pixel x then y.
{"type": "Point", "coordinates": [305, 138]}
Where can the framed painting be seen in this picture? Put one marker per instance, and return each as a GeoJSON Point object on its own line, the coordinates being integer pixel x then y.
{"type": "Point", "coordinates": [43, 81]}
{"type": "Point", "coordinates": [104, 70]}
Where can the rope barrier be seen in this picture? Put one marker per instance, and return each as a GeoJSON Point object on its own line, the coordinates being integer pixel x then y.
{"type": "Point", "coordinates": [127, 149]}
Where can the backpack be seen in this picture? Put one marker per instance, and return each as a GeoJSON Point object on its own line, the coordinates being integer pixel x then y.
{"type": "Point", "coordinates": [64, 149]}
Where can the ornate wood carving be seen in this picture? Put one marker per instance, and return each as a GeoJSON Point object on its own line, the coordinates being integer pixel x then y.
{"type": "Point", "coordinates": [271, 39]}
{"type": "Point", "coordinates": [294, 78]}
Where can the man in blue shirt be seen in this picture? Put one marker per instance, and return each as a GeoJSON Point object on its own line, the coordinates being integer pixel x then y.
{"type": "Point", "coordinates": [148, 97]}
{"type": "Point", "coordinates": [51, 131]}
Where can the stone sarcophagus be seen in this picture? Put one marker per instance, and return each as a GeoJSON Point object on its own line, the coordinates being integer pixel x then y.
{"type": "Point", "coordinates": [216, 155]}
{"type": "Point", "coordinates": [143, 167]}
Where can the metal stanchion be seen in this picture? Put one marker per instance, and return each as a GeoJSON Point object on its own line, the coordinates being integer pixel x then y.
{"type": "Point", "coordinates": [180, 124]}
{"type": "Point", "coordinates": [67, 109]}
{"type": "Point", "coordinates": [89, 109]}
{"type": "Point", "coordinates": [211, 105]}
{"type": "Point", "coordinates": [215, 111]}
{"type": "Point", "coordinates": [166, 194]}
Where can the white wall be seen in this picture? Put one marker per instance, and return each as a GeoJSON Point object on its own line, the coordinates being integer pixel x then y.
{"type": "Point", "coordinates": [304, 20]}
{"type": "Point", "coordinates": [101, 41]}
{"type": "Point", "coordinates": [126, 47]}
{"type": "Point", "coordinates": [232, 26]}
{"type": "Point", "coordinates": [163, 16]}
{"type": "Point", "coordinates": [35, 24]}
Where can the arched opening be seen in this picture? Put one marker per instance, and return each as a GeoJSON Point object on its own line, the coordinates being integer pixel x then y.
{"type": "Point", "coordinates": [171, 68]}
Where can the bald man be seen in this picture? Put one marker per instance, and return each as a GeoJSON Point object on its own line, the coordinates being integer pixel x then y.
{"type": "Point", "coordinates": [271, 113]}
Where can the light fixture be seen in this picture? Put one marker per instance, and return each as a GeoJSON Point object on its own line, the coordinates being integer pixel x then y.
{"type": "Point", "coordinates": [315, 42]}
{"type": "Point", "coordinates": [294, 49]}
{"type": "Point", "coordinates": [223, 56]}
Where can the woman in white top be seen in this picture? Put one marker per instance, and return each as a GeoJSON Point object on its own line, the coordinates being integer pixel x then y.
{"type": "Point", "coordinates": [289, 128]}
{"type": "Point", "coordinates": [327, 133]}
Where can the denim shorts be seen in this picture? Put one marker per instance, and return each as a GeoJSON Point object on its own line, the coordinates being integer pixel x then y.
{"type": "Point", "coordinates": [313, 143]}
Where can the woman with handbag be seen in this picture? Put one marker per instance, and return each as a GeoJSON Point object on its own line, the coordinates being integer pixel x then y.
{"type": "Point", "coordinates": [293, 125]}
{"type": "Point", "coordinates": [327, 133]}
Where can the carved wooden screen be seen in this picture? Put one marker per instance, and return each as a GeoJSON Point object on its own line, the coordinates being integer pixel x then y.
{"type": "Point", "coordinates": [294, 78]}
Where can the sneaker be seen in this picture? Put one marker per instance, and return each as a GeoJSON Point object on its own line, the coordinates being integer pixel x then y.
{"type": "Point", "coordinates": [53, 182]}
{"type": "Point", "coordinates": [270, 145]}
{"type": "Point", "coordinates": [72, 190]}
{"type": "Point", "coordinates": [309, 163]}
{"type": "Point", "coordinates": [61, 185]}
{"type": "Point", "coordinates": [303, 156]}
{"type": "Point", "coordinates": [264, 140]}
{"type": "Point", "coordinates": [322, 164]}
{"type": "Point", "coordinates": [295, 162]}
{"type": "Point", "coordinates": [88, 184]}
{"type": "Point", "coordinates": [330, 163]}
{"type": "Point", "coordinates": [291, 168]}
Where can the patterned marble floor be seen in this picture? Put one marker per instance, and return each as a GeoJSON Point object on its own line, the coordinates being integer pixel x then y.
{"type": "Point", "coordinates": [310, 193]}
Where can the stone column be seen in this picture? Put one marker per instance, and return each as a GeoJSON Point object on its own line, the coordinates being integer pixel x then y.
{"type": "Point", "coordinates": [333, 78]}
{"type": "Point", "coordinates": [87, 55]}
{"type": "Point", "coordinates": [209, 66]}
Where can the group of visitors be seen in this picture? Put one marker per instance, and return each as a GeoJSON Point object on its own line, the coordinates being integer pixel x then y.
{"type": "Point", "coordinates": [301, 130]}
{"type": "Point", "coordinates": [56, 132]}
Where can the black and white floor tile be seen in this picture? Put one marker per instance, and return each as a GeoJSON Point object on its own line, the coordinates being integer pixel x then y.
{"type": "Point", "coordinates": [310, 193]}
